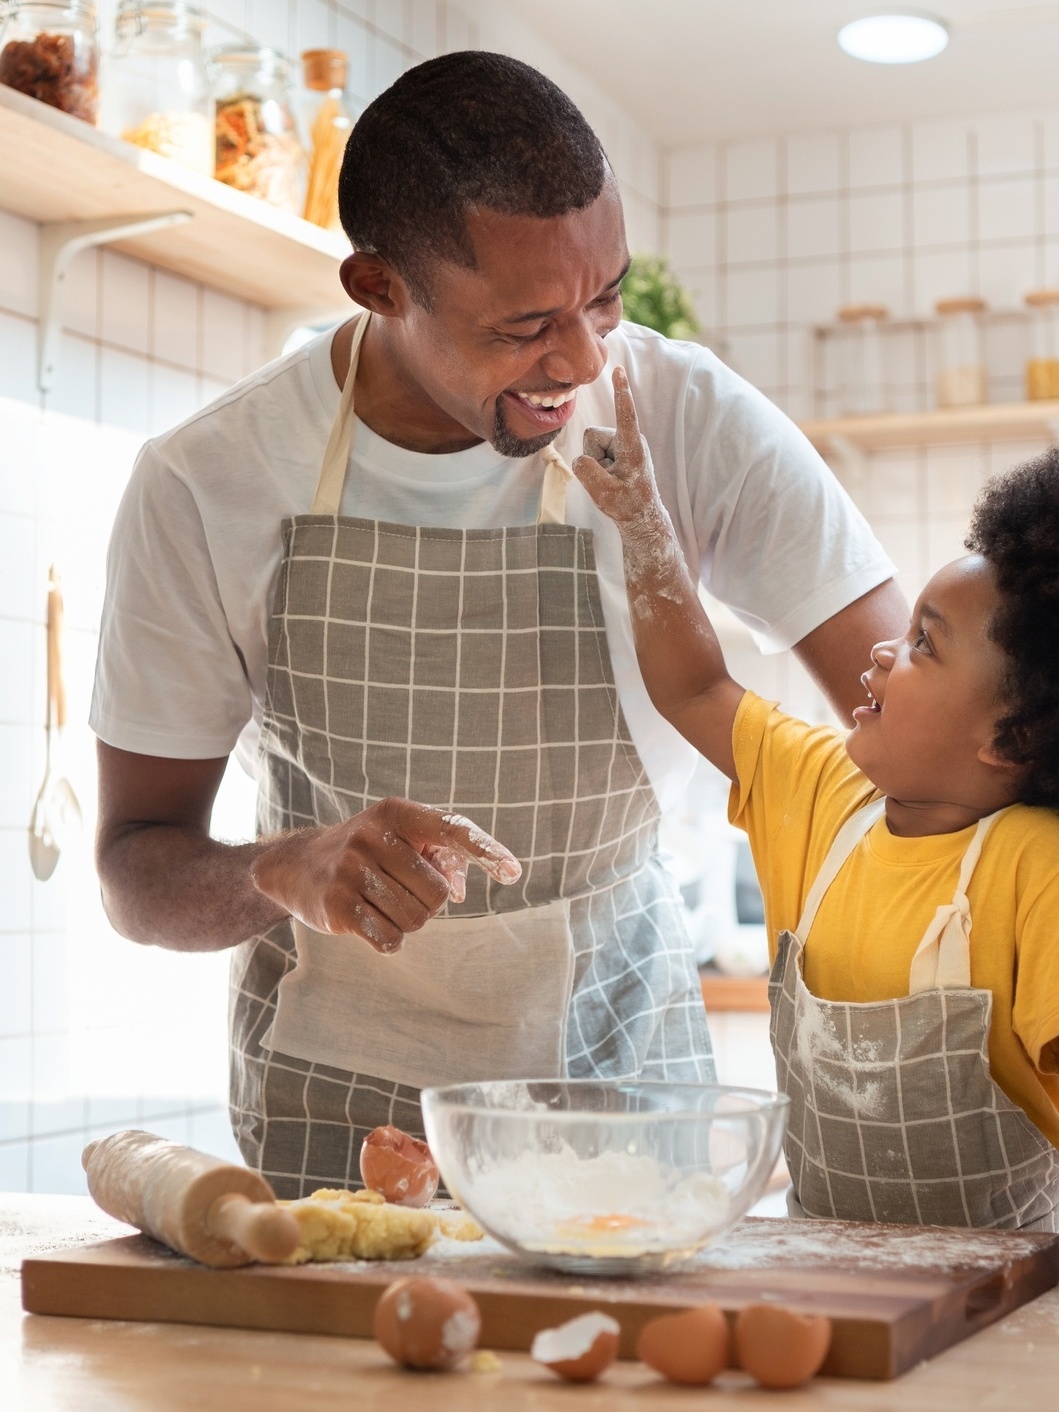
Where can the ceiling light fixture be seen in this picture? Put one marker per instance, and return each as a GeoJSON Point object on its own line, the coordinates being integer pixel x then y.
{"type": "Point", "coordinates": [894, 38]}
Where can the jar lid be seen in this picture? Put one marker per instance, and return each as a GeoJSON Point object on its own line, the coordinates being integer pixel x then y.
{"type": "Point", "coordinates": [250, 56]}
{"type": "Point", "coordinates": [1037, 298]}
{"type": "Point", "coordinates": [82, 8]}
{"type": "Point", "coordinates": [854, 313]}
{"type": "Point", "coordinates": [324, 68]}
{"type": "Point", "coordinates": [169, 9]}
{"type": "Point", "coordinates": [966, 304]}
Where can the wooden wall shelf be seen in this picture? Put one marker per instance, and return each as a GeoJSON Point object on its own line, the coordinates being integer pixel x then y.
{"type": "Point", "coordinates": [747, 994]}
{"type": "Point", "coordinates": [946, 426]}
{"type": "Point", "coordinates": [57, 168]}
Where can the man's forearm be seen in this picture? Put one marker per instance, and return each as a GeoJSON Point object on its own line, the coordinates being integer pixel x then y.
{"type": "Point", "coordinates": [839, 650]}
{"type": "Point", "coordinates": [172, 887]}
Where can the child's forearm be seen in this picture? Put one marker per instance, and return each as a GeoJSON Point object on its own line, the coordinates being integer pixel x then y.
{"type": "Point", "coordinates": [680, 658]}
{"type": "Point", "coordinates": [677, 648]}
{"type": "Point", "coordinates": [679, 655]}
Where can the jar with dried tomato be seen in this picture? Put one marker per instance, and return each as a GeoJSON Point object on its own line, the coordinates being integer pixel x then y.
{"type": "Point", "coordinates": [49, 49]}
{"type": "Point", "coordinates": [257, 147]}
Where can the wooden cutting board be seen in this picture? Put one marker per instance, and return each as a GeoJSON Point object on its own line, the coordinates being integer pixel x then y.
{"type": "Point", "coordinates": [896, 1294]}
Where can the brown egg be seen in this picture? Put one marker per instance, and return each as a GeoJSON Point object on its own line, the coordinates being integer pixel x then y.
{"type": "Point", "coordinates": [690, 1347]}
{"type": "Point", "coordinates": [779, 1348]}
{"type": "Point", "coordinates": [398, 1166]}
{"type": "Point", "coordinates": [579, 1350]}
{"type": "Point", "coordinates": [426, 1323]}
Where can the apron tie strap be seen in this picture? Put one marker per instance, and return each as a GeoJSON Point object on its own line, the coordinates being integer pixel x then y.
{"type": "Point", "coordinates": [557, 476]}
{"type": "Point", "coordinates": [942, 959]}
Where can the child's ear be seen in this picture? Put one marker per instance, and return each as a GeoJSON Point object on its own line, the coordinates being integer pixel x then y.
{"type": "Point", "coordinates": [989, 755]}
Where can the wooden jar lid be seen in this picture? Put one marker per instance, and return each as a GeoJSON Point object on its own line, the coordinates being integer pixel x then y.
{"type": "Point", "coordinates": [324, 69]}
{"type": "Point", "coordinates": [967, 304]}
{"type": "Point", "coordinates": [855, 313]}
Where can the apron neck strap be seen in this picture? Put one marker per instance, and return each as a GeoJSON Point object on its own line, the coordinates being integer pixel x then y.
{"type": "Point", "coordinates": [845, 841]}
{"type": "Point", "coordinates": [328, 497]}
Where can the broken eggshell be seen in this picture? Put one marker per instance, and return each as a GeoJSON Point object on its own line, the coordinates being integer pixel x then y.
{"type": "Point", "coordinates": [779, 1348]}
{"type": "Point", "coordinates": [579, 1350]}
{"type": "Point", "coordinates": [399, 1167]}
{"type": "Point", "coordinates": [426, 1323]}
{"type": "Point", "coordinates": [689, 1347]}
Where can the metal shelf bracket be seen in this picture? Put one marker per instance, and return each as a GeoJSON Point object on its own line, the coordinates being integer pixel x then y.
{"type": "Point", "coordinates": [60, 241]}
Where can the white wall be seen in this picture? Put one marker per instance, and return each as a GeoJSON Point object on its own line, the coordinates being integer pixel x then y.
{"type": "Point", "coordinates": [95, 1032]}
{"type": "Point", "coordinates": [773, 235]}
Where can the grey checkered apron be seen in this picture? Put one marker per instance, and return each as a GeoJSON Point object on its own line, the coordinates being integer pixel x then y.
{"type": "Point", "coordinates": [468, 669]}
{"type": "Point", "coordinates": [894, 1115]}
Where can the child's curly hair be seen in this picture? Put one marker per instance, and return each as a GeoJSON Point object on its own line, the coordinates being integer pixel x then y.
{"type": "Point", "coordinates": [1015, 525]}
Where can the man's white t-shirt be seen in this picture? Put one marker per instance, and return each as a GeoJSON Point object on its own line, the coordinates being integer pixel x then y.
{"type": "Point", "coordinates": [196, 547]}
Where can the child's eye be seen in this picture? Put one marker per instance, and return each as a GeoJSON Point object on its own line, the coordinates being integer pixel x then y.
{"type": "Point", "coordinates": [920, 642]}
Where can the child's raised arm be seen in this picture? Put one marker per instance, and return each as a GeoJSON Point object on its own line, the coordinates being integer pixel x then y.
{"type": "Point", "coordinates": [680, 657]}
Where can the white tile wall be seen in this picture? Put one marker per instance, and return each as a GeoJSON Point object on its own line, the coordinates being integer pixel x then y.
{"type": "Point", "coordinates": [96, 1033]}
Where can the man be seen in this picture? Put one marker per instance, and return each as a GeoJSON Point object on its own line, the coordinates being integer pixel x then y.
{"type": "Point", "coordinates": [443, 620]}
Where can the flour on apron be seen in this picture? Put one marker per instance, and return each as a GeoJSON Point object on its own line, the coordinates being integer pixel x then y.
{"type": "Point", "coordinates": [894, 1115]}
{"type": "Point", "coordinates": [468, 669]}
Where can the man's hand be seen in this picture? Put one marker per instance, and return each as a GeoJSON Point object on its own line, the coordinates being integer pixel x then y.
{"type": "Point", "coordinates": [381, 874]}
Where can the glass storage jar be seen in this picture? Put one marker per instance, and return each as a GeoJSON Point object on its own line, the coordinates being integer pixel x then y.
{"type": "Point", "coordinates": [49, 50]}
{"type": "Point", "coordinates": [961, 379]}
{"type": "Point", "coordinates": [326, 125]}
{"type": "Point", "coordinates": [862, 380]}
{"type": "Point", "coordinates": [155, 90]}
{"type": "Point", "coordinates": [1042, 369]}
{"type": "Point", "coordinates": [257, 148]}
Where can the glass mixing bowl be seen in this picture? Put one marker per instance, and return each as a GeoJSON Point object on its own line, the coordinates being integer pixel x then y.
{"type": "Point", "coordinates": [604, 1178]}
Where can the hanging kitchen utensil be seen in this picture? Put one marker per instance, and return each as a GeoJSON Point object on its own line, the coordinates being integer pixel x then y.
{"type": "Point", "coordinates": [56, 810]}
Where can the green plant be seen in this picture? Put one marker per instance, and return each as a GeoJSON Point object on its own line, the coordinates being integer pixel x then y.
{"type": "Point", "coordinates": [653, 296]}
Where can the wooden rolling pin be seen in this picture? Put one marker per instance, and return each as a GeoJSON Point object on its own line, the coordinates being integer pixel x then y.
{"type": "Point", "coordinates": [217, 1213]}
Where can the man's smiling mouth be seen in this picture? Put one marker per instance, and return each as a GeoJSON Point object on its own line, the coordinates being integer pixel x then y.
{"type": "Point", "coordinates": [545, 399]}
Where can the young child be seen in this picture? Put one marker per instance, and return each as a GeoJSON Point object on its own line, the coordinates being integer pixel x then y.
{"type": "Point", "coordinates": [910, 869]}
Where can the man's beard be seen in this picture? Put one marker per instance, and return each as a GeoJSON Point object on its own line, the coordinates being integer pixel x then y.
{"type": "Point", "coordinates": [508, 444]}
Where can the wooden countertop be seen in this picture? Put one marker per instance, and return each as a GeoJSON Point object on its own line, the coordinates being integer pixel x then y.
{"type": "Point", "coordinates": [94, 1365]}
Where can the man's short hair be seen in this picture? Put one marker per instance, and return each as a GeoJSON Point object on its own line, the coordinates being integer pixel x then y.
{"type": "Point", "coordinates": [465, 130]}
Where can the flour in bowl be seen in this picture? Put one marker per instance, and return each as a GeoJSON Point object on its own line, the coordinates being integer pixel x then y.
{"type": "Point", "coordinates": [616, 1203]}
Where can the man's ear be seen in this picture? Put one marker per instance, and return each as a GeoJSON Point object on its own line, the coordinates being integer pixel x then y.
{"type": "Point", "coordinates": [374, 284]}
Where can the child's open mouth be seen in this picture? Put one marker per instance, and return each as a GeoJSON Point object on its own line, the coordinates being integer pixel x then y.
{"type": "Point", "coordinates": [873, 708]}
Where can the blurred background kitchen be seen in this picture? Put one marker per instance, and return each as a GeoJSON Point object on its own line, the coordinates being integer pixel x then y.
{"type": "Point", "coordinates": [874, 245]}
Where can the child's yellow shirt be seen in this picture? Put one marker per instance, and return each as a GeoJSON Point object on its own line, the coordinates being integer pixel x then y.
{"type": "Point", "coordinates": [796, 786]}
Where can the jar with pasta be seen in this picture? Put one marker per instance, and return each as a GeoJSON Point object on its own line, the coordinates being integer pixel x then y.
{"type": "Point", "coordinates": [155, 92]}
{"type": "Point", "coordinates": [49, 50]}
{"type": "Point", "coordinates": [1042, 368]}
{"type": "Point", "coordinates": [961, 380]}
{"type": "Point", "coordinates": [326, 125]}
{"type": "Point", "coordinates": [257, 148]}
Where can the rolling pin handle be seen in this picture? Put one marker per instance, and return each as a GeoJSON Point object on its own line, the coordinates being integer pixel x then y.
{"type": "Point", "coordinates": [264, 1230]}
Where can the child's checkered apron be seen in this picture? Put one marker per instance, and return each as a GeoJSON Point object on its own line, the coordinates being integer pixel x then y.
{"type": "Point", "coordinates": [894, 1115]}
{"type": "Point", "coordinates": [467, 669]}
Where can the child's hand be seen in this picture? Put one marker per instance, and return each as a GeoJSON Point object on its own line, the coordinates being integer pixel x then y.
{"type": "Point", "coordinates": [616, 467]}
